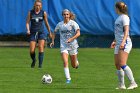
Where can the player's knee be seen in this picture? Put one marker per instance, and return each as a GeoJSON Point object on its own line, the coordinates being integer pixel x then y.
{"type": "Point", "coordinates": [40, 46]}
{"type": "Point", "coordinates": [32, 51]}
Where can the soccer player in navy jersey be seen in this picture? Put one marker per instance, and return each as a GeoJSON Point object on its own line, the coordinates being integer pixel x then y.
{"type": "Point", "coordinates": [35, 29]}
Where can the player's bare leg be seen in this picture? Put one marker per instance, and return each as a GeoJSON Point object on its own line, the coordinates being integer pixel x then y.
{"type": "Point", "coordinates": [74, 61]}
{"type": "Point", "coordinates": [66, 67]}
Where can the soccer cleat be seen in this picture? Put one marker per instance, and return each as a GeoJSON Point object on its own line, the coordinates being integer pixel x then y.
{"type": "Point", "coordinates": [68, 81]}
{"type": "Point", "coordinates": [33, 64]}
{"type": "Point", "coordinates": [40, 66]}
{"type": "Point", "coordinates": [121, 87]}
{"type": "Point", "coordinates": [132, 86]}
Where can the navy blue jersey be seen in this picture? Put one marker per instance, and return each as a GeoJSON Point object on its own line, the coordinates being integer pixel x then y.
{"type": "Point", "coordinates": [37, 21]}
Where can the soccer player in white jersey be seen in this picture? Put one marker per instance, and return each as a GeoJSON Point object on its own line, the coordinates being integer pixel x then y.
{"type": "Point", "coordinates": [69, 31]}
{"type": "Point", "coordinates": [122, 45]}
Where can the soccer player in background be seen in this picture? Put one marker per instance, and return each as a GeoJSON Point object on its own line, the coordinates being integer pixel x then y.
{"type": "Point", "coordinates": [69, 31]}
{"type": "Point", "coordinates": [122, 45]}
{"type": "Point", "coordinates": [36, 33]}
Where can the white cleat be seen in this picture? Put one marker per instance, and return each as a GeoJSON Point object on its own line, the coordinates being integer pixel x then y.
{"type": "Point", "coordinates": [132, 86]}
{"type": "Point", "coordinates": [121, 87]}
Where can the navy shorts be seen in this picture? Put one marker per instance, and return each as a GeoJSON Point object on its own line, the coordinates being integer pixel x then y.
{"type": "Point", "coordinates": [37, 36]}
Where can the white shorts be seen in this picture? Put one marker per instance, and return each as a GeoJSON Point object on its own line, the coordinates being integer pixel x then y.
{"type": "Point", "coordinates": [71, 52]}
{"type": "Point", "coordinates": [127, 48]}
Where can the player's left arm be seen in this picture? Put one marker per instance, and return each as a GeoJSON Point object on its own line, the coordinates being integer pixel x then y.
{"type": "Point", "coordinates": [77, 32]}
{"type": "Point", "coordinates": [126, 31]}
{"type": "Point", "coordinates": [125, 22]}
{"type": "Point", "coordinates": [75, 36]}
{"type": "Point", "coordinates": [47, 24]}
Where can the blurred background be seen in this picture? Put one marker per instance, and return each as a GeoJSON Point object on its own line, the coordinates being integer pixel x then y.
{"type": "Point", "coordinates": [95, 17]}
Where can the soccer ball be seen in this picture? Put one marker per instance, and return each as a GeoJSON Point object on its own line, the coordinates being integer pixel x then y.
{"type": "Point", "coordinates": [46, 79]}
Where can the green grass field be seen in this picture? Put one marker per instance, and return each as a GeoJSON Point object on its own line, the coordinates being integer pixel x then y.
{"type": "Point", "coordinates": [95, 75]}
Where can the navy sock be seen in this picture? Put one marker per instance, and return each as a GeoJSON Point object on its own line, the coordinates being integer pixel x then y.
{"type": "Point", "coordinates": [41, 56]}
{"type": "Point", "coordinates": [33, 56]}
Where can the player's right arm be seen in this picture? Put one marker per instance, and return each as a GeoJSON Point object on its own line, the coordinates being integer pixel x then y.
{"type": "Point", "coordinates": [113, 44]}
{"type": "Point", "coordinates": [28, 24]}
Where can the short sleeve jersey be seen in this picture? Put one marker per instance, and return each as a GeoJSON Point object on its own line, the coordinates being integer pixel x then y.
{"type": "Point", "coordinates": [67, 31]}
{"type": "Point", "coordinates": [37, 21]}
{"type": "Point", "coordinates": [120, 22]}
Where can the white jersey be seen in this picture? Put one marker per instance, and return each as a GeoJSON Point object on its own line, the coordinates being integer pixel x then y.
{"type": "Point", "coordinates": [120, 22]}
{"type": "Point", "coordinates": [67, 31]}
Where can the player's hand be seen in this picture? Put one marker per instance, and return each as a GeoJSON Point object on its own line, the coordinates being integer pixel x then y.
{"type": "Point", "coordinates": [50, 35]}
{"type": "Point", "coordinates": [51, 44]}
{"type": "Point", "coordinates": [69, 40]}
{"type": "Point", "coordinates": [122, 45]}
{"type": "Point", "coordinates": [113, 45]}
{"type": "Point", "coordinates": [28, 32]}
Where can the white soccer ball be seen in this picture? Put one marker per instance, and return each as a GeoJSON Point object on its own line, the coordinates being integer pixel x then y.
{"type": "Point", "coordinates": [46, 79]}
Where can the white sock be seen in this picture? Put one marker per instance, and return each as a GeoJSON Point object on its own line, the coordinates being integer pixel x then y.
{"type": "Point", "coordinates": [120, 74]}
{"type": "Point", "coordinates": [129, 74]}
{"type": "Point", "coordinates": [67, 73]}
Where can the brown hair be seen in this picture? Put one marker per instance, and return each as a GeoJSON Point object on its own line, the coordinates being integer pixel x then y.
{"type": "Point", "coordinates": [122, 7]}
{"type": "Point", "coordinates": [72, 15]}
{"type": "Point", "coordinates": [35, 3]}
